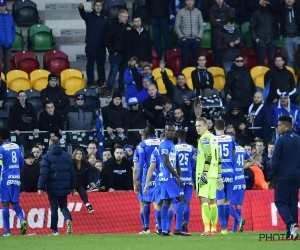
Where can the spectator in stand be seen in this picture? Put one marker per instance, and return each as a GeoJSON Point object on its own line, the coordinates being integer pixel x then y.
{"type": "Point", "coordinates": [115, 43]}
{"type": "Point", "coordinates": [158, 12]}
{"type": "Point", "coordinates": [260, 147]}
{"type": "Point", "coordinates": [279, 78]}
{"type": "Point", "coordinates": [265, 32]}
{"type": "Point", "coordinates": [35, 150]}
{"type": "Point", "coordinates": [96, 28]}
{"type": "Point", "coordinates": [259, 115]}
{"type": "Point", "coordinates": [30, 174]}
{"type": "Point", "coordinates": [248, 148]}
{"type": "Point", "coordinates": [201, 77]}
{"type": "Point", "coordinates": [7, 35]}
{"type": "Point", "coordinates": [152, 106]}
{"type": "Point", "coordinates": [137, 120]}
{"type": "Point", "coordinates": [80, 117]}
{"type": "Point", "coordinates": [143, 94]}
{"type": "Point", "coordinates": [50, 120]}
{"type": "Point", "coordinates": [179, 121]}
{"type": "Point", "coordinates": [4, 108]}
{"type": "Point", "coordinates": [106, 155]}
{"type": "Point", "coordinates": [131, 88]}
{"type": "Point", "coordinates": [290, 28]}
{"type": "Point", "coordinates": [218, 15]}
{"type": "Point", "coordinates": [101, 182]}
{"type": "Point", "coordinates": [55, 94]}
{"type": "Point", "coordinates": [167, 114]}
{"type": "Point", "coordinates": [284, 107]}
{"type": "Point", "coordinates": [266, 162]}
{"type": "Point", "coordinates": [128, 150]}
{"type": "Point", "coordinates": [229, 43]}
{"type": "Point", "coordinates": [91, 158]}
{"type": "Point", "coordinates": [115, 117]}
{"type": "Point", "coordinates": [138, 43]}
{"type": "Point", "coordinates": [138, 77]}
{"type": "Point", "coordinates": [259, 179]}
{"type": "Point", "coordinates": [119, 171]}
{"type": "Point", "coordinates": [176, 5]}
{"type": "Point", "coordinates": [189, 28]}
{"type": "Point", "coordinates": [236, 117]}
{"type": "Point", "coordinates": [239, 86]}
{"type": "Point", "coordinates": [23, 118]}
{"type": "Point", "coordinates": [180, 94]}
{"type": "Point", "coordinates": [85, 175]}
{"type": "Point", "coordinates": [92, 148]}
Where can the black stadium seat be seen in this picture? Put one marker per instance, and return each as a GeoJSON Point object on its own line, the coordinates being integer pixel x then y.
{"type": "Point", "coordinates": [112, 8]}
{"type": "Point", "coordinates": [139, 9]}
{"type": "Point", "coordinates": [25, 13]}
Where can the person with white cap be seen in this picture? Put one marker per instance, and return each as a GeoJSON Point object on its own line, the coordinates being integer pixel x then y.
{"type": "Point", "coordinates": [284, 107]}
{"type": "Point", "coordinates": [7, 35]}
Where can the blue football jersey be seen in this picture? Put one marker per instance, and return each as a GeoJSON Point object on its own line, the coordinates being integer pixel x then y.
{"type": "Point", "coordinates": [146, 148]}
{"type": "Point", "coordinates": [11, 159]}
{"type": "Point", "coordinates": [155, 158]}
{"type": "Point", "coordinates": [167, 147]}
{"type": "Point", "coordinates": [226, 148]}
{"type": "Point", "coordinates": [186, 161]}
{"type": "Point", "coordinates": [238, 162]}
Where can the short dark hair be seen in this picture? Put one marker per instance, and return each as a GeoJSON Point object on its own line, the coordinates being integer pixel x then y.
{"type": "Point", "coordinates": [92, 142]}
{"type": "Point", "coordinates": [277, 56]}
{"type": "Point", "coordinates": [169, 124]}
{"type": "Point", "coordinates": [202, 56]}
{"type": "Point", "coordinates": [98, 1]}
{"type": "Point", "coordinates": [219, 124]}
{"type": "Point", "coordinates": [286, 119]}
{"type": "Point", "coordinates": [136, 16]}
{"type": "Point", "coordinates": [180, 75]}
{"type": "Point", "coordinates": [260, 140]}
{"type": "Point", "coordinates": [147, 65]}
{"type": "Point", "coordinates": [237, 56]}
{"type": "Point", "coordinates": [149, 130]}
{"type": "Point", "coordinates": [271, 143]}
{"type": "Point", "coordinates": [230, 20]}
{"type": "Point", "coordinates": [5, 133]}
{"type": "Point", "coordinates": [21, 91]}
{"type": "Point", "coordinates": [49, 102]}
{"type": "Point", "coordinates": [134, 58]}
{"type": "Point", "coordinates": [166, 100]}
{"type": "Point", "coordinates": [119, 147]}
{"type": "Point", "coordinates": [181, 134]}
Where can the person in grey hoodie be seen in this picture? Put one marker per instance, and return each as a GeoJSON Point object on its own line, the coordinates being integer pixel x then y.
{"type": "Point", "coordinates": [189, 28]}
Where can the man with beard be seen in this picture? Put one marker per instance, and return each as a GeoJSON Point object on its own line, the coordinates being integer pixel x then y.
{"type": "Point", "coordinates": [179, 121]}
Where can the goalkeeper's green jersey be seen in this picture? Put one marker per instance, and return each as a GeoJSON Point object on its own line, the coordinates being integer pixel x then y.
{"type": "Point", "coordinates": [208, 153]}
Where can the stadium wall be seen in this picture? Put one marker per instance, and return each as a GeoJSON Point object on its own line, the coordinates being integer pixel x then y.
{"type": "Point", "coordinates": [118, 213]}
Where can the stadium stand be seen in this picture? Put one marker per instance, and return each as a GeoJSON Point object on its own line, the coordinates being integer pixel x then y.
{"type": "Point", "coordinates": [18, 80]}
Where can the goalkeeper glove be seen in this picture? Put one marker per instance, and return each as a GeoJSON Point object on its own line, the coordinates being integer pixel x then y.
{"type": "Point", "coordinates": [220, 184]}
{"type": "Point", "coordinates": [203, 179]}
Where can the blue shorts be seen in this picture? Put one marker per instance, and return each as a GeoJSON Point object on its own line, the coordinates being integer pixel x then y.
{"type": "Point", "coordinates": [140, 195]}
{"type": "Point", "coordinates": [157, 195]}
{"type": "Point", "coordinates": [188, 191]}
{"type": "Point", "coordinates": [9, 193]}
{"type": "Point", "coordinates": [226, 193]}
{"type": "Point", "coordinates": [170, 189]}
{"type": "Point", "coordinates": [237, 197]}
{"type": "Point", "coordinates": [149, 197]}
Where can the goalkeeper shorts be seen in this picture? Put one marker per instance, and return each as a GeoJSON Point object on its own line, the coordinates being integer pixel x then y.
{"type": "Point", "coordinates": [208, 190]}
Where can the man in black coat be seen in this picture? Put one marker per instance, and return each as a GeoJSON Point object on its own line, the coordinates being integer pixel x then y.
{"type": "Point", "coordinates": [57, 174]}
{"type": "Point", "coordinates": [30, 174]}
{"type": "Point", "coordinates": [119, 171]}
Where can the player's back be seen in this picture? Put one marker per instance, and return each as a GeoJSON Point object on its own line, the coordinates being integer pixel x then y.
{"type": "Point", "coordinates": [238, 163]}
{"type": "Point", "coordinates": [185, 158]}
{"type": "Point", "coordinates": [227, 149]}
{"type": "Point", "coordinates": [11, 160]}
{"type": "Point", "coordinates": [167, 148]}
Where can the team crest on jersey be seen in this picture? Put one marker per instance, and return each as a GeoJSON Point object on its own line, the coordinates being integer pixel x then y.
{"type": "Point", "coordinates": [164, 151]}
{"type": "Point", "coordinates": [205, 141]}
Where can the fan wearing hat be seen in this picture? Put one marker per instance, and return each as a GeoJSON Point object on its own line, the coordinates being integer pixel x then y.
{"type": "Point", "coordinates": [115, 117]}
{"type": "Point", "coordinates": [7, 35]}
{"type": "Point", "coordinates": [30, 175]}
{"type": "Point", "coordinates": [284, 107]}
{"type": "Point", "coordinates": [54, 93]}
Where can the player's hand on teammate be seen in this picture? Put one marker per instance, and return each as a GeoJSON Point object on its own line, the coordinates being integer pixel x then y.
{"type": "Point", "coordinates": [203, 179]}
{"type": "Point", "coordinates": [220, 184]}
{"type": "Point", "coordinates": [40, 192]}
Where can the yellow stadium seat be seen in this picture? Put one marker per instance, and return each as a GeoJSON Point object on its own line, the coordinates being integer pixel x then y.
{"type": "Point", "coordinates": [15, 79]}
{"type": "Point", "coordinates": [219, 77]}
{"type": "Point", "coordinates": [73, 84]}
{"type": "Point", "coordinates": [189, 83]}
{"type": "Point", "coordinates": [39, 79]}
{"type": "Point", "coordinates": [157, 73]}
{"type": "Point", "coordinates": [3, 77]}
{"type": "Point", "coordinates": [188, 72]}
{"type": "Point", "coordinates": [67, 73]}
{"type": "Point", "coordinates": [257, 74]}
{"type": "Point", "coordinates": [293, 72]}
{"type": "Point", "coordinates": [161, 86]}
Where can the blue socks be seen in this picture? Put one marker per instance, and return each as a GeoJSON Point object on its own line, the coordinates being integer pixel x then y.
{"type": "Point", "coordinates": [165, 218]}
{"type": "Point", "coordinates": [146, 216]}
{"type": "Point", "coordinates": [179, 208]}
{"type": "Point", "coordinates": [19, 211]}
{"type": "Point", "coordinates": [186, 214]}
{"type": "Point", "coordinates": [236, 213]}
{"type": "Point", "coordinates": [170, 219]}
{"type": "Point", "coordinates": [227, 214]}
{"type": "Point", "coordinates": [5, 217]}
{"type": "Point", "coordinates": [221, 212]}
{"type": "Point", "coordinates": [142, 218]}
{"type": "Point", "coordinates": [158, 219]}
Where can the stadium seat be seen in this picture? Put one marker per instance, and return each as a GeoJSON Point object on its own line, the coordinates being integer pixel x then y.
{"type": "Point", "coordinates": [188, 72]}
{"type": "Point", "coordinates": [209, 57]}
{"type": "Point", "coordinates": [112, 8]}
{"type": "Point", "coordinates": [173, 59]}
{"type": "Point", "coordinates": [257, 74]}
{"type": "Point", "coordinates": [11, 97]}
{"type": "Point", "coordinates": [37, 103]}
{"type": "Point", "coordinates": [23, 55]}
{"type": "Point", "coordinates": [4, 122]}
{"type": "Point", "coordinates": [52, 54]}
{"type": "Point", "coordinates": [39, 79]}
{"type": "Point", "coordinates": [25, 13]}
{"type": "Point", "coordinates": [293, 72]}
{"type": "Point", "coordinates": [57, 65]}
{"type": "Point", "coordinates": [40, 38]}
{"type": "Point", "coordinates": [92, 102]}
{"type": "Point", "coordinates": [18, 80]}
{"type": "Point", "coordinates": [28, 65]}
{"type": "Point", "coordinates": [139, 9]}
{"type": "Point", "coordinates": [32, 93]}
{"type": "Point", "coordinates": [72, 81]}
{"type": "Point", "coordinates": [157, 73]}
{"type": "Point", "coordinates": [206, 38]}
{"type": "Point", "coordinates": [246, 35]}
{"type": "Point", "coordinates": [189, 83]}
{"type": "Point", "coordinates": [3, 77]}
{"type": "Point", "coordinates": [219, 77]}
{"type": "Point", "coordinates": [155, 60]}
{"type": "Point", "coordinates": [18, 43]}
{"type": "Point", "coordinates": [161, 86]}
{"type": "Point", "coordinates": [250, 58]}
{"type": "Point", "coordinates": [87, 92]}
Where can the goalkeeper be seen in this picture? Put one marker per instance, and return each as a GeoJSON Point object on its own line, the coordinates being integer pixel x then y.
{"type": "Point", "coordinates": [208, 176]}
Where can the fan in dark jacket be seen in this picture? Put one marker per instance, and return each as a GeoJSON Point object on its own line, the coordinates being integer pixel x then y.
{"type": "Point", "coordinates": [53, 92]}
{"type": "Point", "coordinates": [239, 85]}
{"type": "Point", "coordinates": [57, 177]}
{"type": "Point", "coordinates": [86, 174]}
{"type": "Point", "coordinates": [119, 171]}
{"type": "Point", "coordinates": [30, 174]}
{"type": "Point", "coordinates": [4, 108]}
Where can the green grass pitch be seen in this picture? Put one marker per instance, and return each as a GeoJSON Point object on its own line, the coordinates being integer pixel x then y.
{"type": "Point", "coordinates": [241, 241]}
